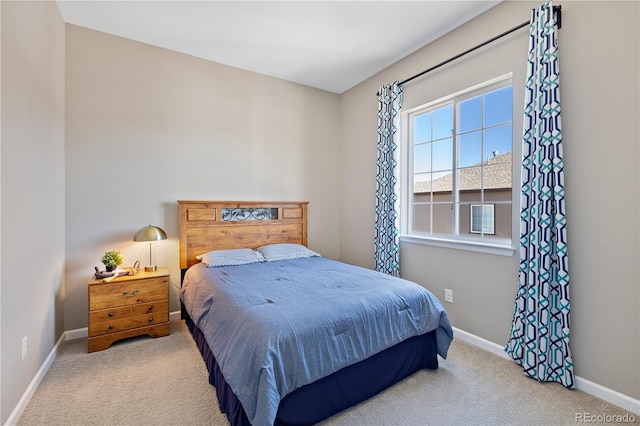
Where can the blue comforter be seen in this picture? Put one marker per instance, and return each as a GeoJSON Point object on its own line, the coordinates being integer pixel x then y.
{"type": "Point", "coordinates": [274, 327]}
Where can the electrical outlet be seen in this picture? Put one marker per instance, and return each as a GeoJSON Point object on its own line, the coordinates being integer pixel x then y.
{"type": "Point", "coordinates": [24, 347]}
{"type": "Point", "coordinates": [448, 295]}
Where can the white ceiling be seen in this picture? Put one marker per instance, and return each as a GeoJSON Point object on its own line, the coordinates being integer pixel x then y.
{"type": "Point", "coordinates": [330, 45]}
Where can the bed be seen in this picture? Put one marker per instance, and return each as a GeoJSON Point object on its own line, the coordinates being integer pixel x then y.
{"type": "Point", "coordinates": [288, 336]}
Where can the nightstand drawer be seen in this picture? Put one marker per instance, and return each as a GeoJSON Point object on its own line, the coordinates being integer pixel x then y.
{"type": "Point", "coordinates": [127, 293]}
{"type": "Point", "coordinates": [109, 314]}
{"type": "Point", "coordinates": [100, 328]}
{"type": "Point", "coordinates": [150, 308]}
{"type": "Point", "coordinates": [144, 320]}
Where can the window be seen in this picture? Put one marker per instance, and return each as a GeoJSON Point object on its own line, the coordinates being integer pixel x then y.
{"type": "Point", "coordinates": [482, 219]}
{"type": "Point", "coordinates": [459, 173]}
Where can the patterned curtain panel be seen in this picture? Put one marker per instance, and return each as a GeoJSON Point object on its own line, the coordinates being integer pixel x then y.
{"type": "Point", "coordinates": [539, 339]}
{"type": "Point", "coordinates": [387, 251]}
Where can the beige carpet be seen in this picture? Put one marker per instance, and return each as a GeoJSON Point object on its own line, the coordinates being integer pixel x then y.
{"type": "Point", "coordinates": [144, 381]}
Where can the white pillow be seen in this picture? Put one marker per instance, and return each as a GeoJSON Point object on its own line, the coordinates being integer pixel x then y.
{"type": "Point", "coordinates": [274, 252]}
{"type": "Point", "coordinates": [230, 257]}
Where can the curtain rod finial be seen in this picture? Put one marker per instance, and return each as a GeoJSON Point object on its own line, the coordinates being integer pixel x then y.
{"type": "Point", "coordinates": [558, 11]}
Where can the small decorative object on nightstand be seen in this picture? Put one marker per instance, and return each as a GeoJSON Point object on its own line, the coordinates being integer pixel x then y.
{"type": "Point", "coordinates": [111, 260]}
{"type": "Point", "coordinates": [127, 306]}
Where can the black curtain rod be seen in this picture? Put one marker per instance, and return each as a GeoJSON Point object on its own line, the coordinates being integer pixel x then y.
{"type": "Point", "coordinates": [556, 9]}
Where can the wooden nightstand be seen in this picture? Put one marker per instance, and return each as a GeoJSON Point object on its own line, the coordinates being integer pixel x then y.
{"type": "Point", "coordinates": [128, 306]}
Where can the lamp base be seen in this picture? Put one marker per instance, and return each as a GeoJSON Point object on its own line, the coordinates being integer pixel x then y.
{"type": "Point", "coordinates": [150, 268]}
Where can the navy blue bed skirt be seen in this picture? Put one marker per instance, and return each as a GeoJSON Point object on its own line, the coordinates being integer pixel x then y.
{"type": "Point", "coordinates": [320, 400]}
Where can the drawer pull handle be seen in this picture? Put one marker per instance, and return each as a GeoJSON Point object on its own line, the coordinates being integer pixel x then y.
{"type": "Point", "coordinates": [111, 327]}
{"type": "Point", "coordinates": [149, 308]}
{"type": "Point", "coordinates": [111, 314]}
{"type": "Point", "coordinates": [150, 319]}
{"type": "Point", "coordinates": [126, 293]}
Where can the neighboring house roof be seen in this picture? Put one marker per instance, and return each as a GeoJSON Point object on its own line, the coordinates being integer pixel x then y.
{"type": "Point", "coordinates": [496, 176]}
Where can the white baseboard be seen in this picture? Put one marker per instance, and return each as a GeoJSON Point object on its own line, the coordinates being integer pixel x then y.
{"type": "Point", "coordinates": [78, 333]}
{"type": "Point", "coordinates": [614, 397]}
{"type": "Point", "coordinates": [31, 389]}
{"type": "Point", "coordinates": [487, 345]}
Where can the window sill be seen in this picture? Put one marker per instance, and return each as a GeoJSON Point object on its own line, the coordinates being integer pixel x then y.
{"type": "Point", "coordinates": [477, 246]}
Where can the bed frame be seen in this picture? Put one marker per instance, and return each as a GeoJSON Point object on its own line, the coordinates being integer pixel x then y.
{"type": "Point", "coordinates": [219, 225]}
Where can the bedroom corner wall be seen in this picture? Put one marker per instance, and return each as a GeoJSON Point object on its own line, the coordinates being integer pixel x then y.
{"type": "Point", "coordinates": [31, 191]}
{"type": "Point", "coordinates": [600, 100]}
{"type": "Point", "coordinates": [148, 126]}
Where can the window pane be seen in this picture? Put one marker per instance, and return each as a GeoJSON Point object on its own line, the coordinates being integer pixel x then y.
{"type": "Point", "coordinates": [476, 219]}
{"type": "Point", "coordinates": [470, 179]}
{"type": "Point", "coordinates": [422, 218]}
{"type": "Point", "coordinates": [470, 114]}
{"type": "Point", "coordinates": [470, 149]}
{"type": "Point", "coordinates": [443, 122]}
{"type": "Point", "coordinates": [442, 219]}
{"type": "Point", "coordinates": [422, 128]}
{"type": "Point", "coordinates": [497, 106]}
{"type": "Point", "coordinates": [422, 185]}
{"type": "Point", "coordinates": [470, 197]}
{"type": "Point", "coordinates": [498, 177]}
{"type": "Point", "coordinates": [443, 154]}
{"type": "Point", "coordinates": [487, 219]}
{"type": "Point", "coordinates": [464, 219]}
{"type": "Point", "coordinates": [482, 219]}
{"type": "Point", "coordinates": [503, 220]}
{"type": "Point", "coordinates": [497, 142]}
{"type": "Point", "coordinates": [497, 195]}
{"type": "Point", "coordinates": [442, 186]}
{"type": "Point", "coordinates": [422, 158]}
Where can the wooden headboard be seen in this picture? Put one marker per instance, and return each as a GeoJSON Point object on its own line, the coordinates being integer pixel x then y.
{"type": "Point", "coordinates": [221, 225]}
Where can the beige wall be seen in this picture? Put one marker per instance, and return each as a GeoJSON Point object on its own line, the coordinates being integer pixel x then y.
{"type": "Point", "coordinates": [146, 127]}
{"type": "Point", "coordinates": [599, 55]}
{"type": "Point", "coordinates": [32, 191]}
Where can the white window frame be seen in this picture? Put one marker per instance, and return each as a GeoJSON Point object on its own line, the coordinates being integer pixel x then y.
{"type": "Point", "coordinates": [493, 245]}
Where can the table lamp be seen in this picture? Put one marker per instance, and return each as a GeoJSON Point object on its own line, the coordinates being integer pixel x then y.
{"type": "Point", "coordinates": [150, 234]}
